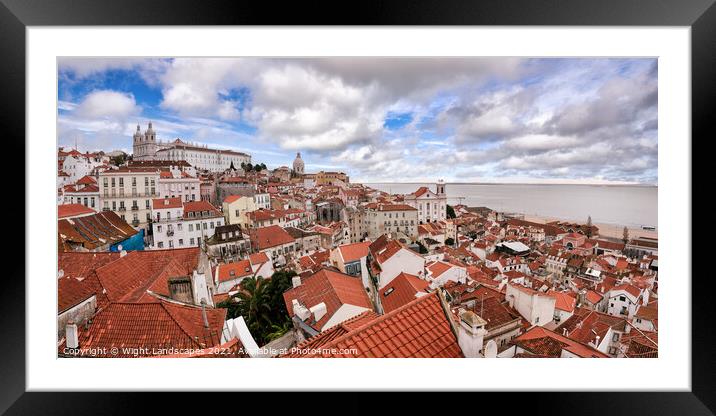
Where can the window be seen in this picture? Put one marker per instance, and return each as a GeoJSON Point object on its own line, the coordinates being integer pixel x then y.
{"type": "Point", "coordinates": [615, 338]}
{"type": "Point", "coordinates": [147, 204]}
{"type": "Point", "coordinates": [179, 227]}
{"type": "Point", "coordinates": [204, 225]}
{"type": "Point", "coordinates": [105, 182]}
{"type": "Point", "coordinates": [212, 225]}
{"type": "Point", "coordinates": [191, 241]}
{"type": "Point", "coordinates": [622, 298]}
{"type": "Point", "coordinates": [171, 243]}
{"type": "Point", "coordinates": [159, 228]}
{"type": "Point", "coordinates": [160, 244]}
{"type": "Point", "coordinates": [191, 228]}
{"type": "Point", "coordinates": [181, 242]}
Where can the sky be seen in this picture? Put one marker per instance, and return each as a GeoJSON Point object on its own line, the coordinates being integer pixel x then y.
{"type": "Point", "coordinates": [536, 120]}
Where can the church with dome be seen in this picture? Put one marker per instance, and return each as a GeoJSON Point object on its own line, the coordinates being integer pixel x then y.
{"type": "Point", "coordinates": [298, 165]}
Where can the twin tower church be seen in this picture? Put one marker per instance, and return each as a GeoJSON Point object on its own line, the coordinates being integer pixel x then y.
{"type": "Point", "coordinates": [145, 146]}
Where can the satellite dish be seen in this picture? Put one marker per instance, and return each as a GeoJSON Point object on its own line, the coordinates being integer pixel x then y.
{"type": "Point", "coordinates": [491, 349]}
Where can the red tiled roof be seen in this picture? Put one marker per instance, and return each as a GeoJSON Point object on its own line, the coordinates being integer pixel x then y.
{"type": "Point", "coordinates": [308, 346]}
{"type": "Point", "coordinates": [200, 206]}
{"type": "Point", "coordinates": [232, 271]}
{"type": "Point", "coordinates": [419, 329]}
{"type": "Point", "coordinates": [563, 301]}
{"type": "Point", "coordinates": [632, 290]}
{"type": "Point", "coordinates": [395, 207]}
{"type": "Point", "coordinates": [401, 290]}
{"type": "Point", "coordinates": [438, 268]}
{"type": "Point", "coordinates": [271, 236]}
{"type": "Point", "coordinates": [585, 325]}
{"type": "Point", "coordinates": [264, 215]}
{"type": "Point", "coordinates": [152, 327]}
{"type": "Point", "coordinates": [333, 288]}
{"type": "Point", "coordinates": [355, 251]}
{"type": "Point", "coordinates": [129, 278]}
{"type": "Point", "coordinates": [231, 198]}
{"type": "Point", "coordinates": [79, 280]}
{"type": "Point", "coordinates": [87, 180]}
{"type": "Point", "coordinates": [541, 341]}
{"type": "Point", "coordinates": [421, 191]}
{"type": "Point", "coordinates": [72, 210]}
{"type": "Point", "coordinates": [258, 258]}
{"type": "Point", "coordinates": [593, 297]}
{"type": "Point", "coordinates": [166, 203]}
{"type": "Point", "coordinates": [92, 231]}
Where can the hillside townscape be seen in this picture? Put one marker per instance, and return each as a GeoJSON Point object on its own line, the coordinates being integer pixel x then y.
{"type": "Point", "coordinates": [182, 249]}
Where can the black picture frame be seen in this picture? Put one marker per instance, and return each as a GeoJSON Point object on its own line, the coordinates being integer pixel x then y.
{"type": "Point", "coordinates": [16, 15]}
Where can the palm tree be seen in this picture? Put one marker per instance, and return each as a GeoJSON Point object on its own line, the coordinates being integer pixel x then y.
{"type": "Point", "coordinates": [277, 331]}
{"type": "Point", "coordinates": [255, 306]}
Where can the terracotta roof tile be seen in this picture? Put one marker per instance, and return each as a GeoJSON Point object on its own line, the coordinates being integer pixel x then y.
{"type": "Point", "coordinates": [402, 290]}
{"type": "Point", "coordinates": [419, 337]}
{"type": "Point", "coordinates": [152, 327]}
{"type": "Point", "coordinates": [333, 288]}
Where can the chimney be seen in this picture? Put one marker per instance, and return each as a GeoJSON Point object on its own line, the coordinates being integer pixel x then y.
{"type": "Point", "coordinates": [318, 311]}
{"type": "Point", "coordinates": [203, 314]}
{"type": "Point", "coordinates": [471, 333]}
{"type": "Point", "coordinates": [71, 335]}
{"type": "Point", "coordinates": [296, 281]}
{"type": "Point", "coordinates": [299, 310]}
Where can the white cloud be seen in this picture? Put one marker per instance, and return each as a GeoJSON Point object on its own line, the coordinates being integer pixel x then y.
{"type": "Point", "coordinates": [105, 104]}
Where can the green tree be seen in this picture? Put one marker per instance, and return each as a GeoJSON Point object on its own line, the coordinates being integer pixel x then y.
{"type": "Point", "coordinates": [247, 167]}
{"type": "Point", "coordinates": [451, 212]}
{"type": "Point", "coordinates": [625, 235]}
{"type": "Point", "coordinates": [449, 242]}
{"type": "Point", "coordinates": [260, 302]}
{"type": "Point", "coordinates": [119, 159]}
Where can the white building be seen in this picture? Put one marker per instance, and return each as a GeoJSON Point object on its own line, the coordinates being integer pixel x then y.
{"type": "Point", "coordinates": [393, 219]}
{"type": "Point", "coordinates": [624, 300]}
{"type": "Point", "coordinates": [392, 258]}
{"type": "Point", "coordinates": [174, 182]}
{"type": "Point", "coordinates": [431, 206]}
{"type": "Point", "coordinates": [146, 147]}
{"type": "Point", "coordinates": [536, 307]}
{"type": "Point", "coordinates": [128, 192]}
{"type": "Point", "coordinates": [177, 224]}
{"type": "Point", "coordinates": [79, 166]}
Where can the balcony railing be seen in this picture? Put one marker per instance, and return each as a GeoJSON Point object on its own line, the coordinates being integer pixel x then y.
{"type": "Point", "coordinates": [122, 208]}
{"type": "Point", "coordinates": [135, 208]}
{"type": "Point", "coordinates": [106, 209]}
{"type": "Point", "coordinates": [135, 222]}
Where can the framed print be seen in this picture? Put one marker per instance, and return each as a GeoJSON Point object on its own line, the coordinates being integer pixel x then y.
{"type": "Point", "coordinates": [454, 197]}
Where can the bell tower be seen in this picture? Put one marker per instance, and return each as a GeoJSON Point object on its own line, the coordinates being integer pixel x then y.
{"type": "Point", "coordinates": [440, 191]}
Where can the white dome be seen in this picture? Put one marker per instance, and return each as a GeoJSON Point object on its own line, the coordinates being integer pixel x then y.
{"type": "Point", "coordinates": [298, 163]}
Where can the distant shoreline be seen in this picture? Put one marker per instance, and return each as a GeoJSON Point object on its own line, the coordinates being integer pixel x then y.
{"type": "Point", "coordinates": [514, 183]}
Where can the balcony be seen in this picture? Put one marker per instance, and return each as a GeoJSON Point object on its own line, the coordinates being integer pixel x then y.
{"type": "Point", "coordinates": [135, 208]}
{"type": "Point", "coordinates": [106, 209]}
{"type": "Point", "coordinates": [122, 209]}
{"type": "Point", "coordinates": [135, 223]}
{"type": "Point", "coordinates": [170, 233]}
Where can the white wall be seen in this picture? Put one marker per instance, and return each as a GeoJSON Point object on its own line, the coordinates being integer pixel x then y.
{"type": "Point", "coordinates": [402, 261]}
{"type": "Point", "coordinates": [343, 313]}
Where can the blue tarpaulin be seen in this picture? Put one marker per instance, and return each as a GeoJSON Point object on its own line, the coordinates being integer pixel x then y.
{"type": "Point", "coordinates": [135, 242]}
